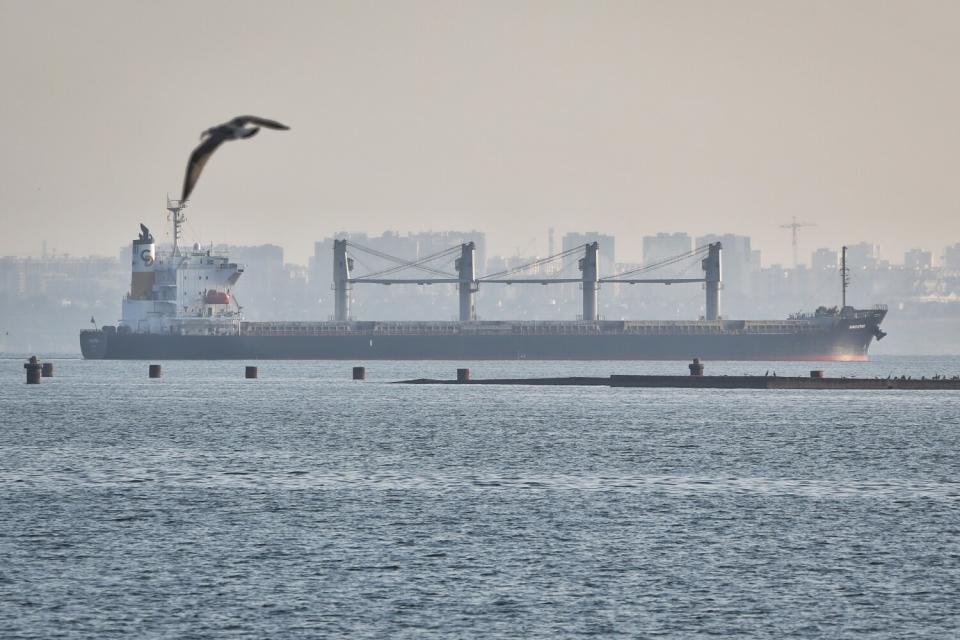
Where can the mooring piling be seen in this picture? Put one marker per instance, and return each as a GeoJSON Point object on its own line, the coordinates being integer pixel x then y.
{"type": "Point", "coordinates": [34, 369]}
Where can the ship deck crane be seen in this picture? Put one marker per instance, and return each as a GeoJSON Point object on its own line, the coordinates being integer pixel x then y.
{"type": "Point", "coordinates": [468, 283]}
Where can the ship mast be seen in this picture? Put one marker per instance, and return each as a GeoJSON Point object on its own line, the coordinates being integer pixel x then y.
{"type": "Point", "coordinates": [176, 207]}
{"type": "Point", "coordinates": [844, 276]}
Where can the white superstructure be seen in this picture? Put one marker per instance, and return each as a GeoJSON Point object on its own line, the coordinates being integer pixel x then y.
{"type": "Point", "coordinates": [186, 292]}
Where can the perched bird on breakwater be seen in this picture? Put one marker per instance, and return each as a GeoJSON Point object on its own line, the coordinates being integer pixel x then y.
{"type": "Point", "coordinates": [214, 137]}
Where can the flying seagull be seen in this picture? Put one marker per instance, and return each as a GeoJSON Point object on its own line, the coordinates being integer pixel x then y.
{"type": "Point", "coordinates": [214, 137]}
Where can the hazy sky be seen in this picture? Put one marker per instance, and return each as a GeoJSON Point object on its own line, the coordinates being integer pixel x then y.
{"type": "Point", "coordinates": [509, 117]}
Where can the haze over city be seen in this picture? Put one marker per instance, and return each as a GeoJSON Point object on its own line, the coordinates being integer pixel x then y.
{"type": "Point", "coordinates": [630, 118]}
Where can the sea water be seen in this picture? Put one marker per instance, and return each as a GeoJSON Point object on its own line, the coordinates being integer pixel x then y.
{"type": "Point", "coordinates": [305, 504]}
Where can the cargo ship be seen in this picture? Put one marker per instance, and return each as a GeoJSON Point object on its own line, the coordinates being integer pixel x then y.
{"type": "Point", "coordinates": [180, 306]}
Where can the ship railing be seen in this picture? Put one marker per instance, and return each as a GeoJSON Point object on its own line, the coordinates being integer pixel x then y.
{"type": "Point", "coordinates": [574, 329]}
{"type": "Point", "coordinates": [672, 327]}
{"type": "Point", "coordinates": [767, 326]}
{"type": "Point", "coordinates": [419, 328]}
{"type": "Point", "coordinates": [296, 328]}
{"type": "Point", "coordinates": [548, 327]}
{"type": "Point", "coordinates": [865, 314]}
{"type": "Point", "coordinates": [700, 328]}
{"type": "Point", "coordinates": [441, 328]}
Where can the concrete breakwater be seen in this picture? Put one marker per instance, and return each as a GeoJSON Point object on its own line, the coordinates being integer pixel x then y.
{"type": "Point", "coordinates": [722, 382]}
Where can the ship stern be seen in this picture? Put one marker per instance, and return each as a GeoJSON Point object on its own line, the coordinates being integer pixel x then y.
{"type": "Point", "coordinates": [93, 343]}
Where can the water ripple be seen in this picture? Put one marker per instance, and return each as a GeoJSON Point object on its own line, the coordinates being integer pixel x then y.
{"type": "Point", "coordinates": [306, 505]}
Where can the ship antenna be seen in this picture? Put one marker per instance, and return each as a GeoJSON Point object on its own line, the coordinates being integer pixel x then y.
{"type": "Point", "coordinates": [844, 276]}
{"type": "Point", "coordinates": [176, 207]}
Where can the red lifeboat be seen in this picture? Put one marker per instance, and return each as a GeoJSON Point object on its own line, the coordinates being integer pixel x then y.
{"type": "Point", "coordinates": [217, 297]}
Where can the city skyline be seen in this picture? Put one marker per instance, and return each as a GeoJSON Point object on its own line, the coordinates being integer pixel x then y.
{"type": "Point", "coordinates": [947, 250]}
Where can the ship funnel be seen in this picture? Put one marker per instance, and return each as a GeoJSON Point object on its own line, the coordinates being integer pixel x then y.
{"type": "Point", "coordinates": [143, 257]}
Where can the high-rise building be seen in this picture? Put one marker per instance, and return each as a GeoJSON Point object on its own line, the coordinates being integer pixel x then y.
{"type": "Point", "coordinates": [951, 257]}
{"type": "Point", "coordinates": [824, 259]}
{"type": "Point", "coordinates": [608, 250]}
{"type": "Point", "coordinates": [918, 259]}
{"type": "Point", "coordinates": [737, 260]}
{"type": "Point", "coordinates": [665, 245]}
{"type": "Point", "coordinates": [863, 255]}
{"type": "Point", "coordinates": [430, 242]}
{"type": "Point", "coordinates": [258, 289]}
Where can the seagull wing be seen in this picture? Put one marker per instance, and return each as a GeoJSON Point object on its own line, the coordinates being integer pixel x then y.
{"type": "Point", "coordinates": [198, 159]}
{"type": "Point", "coordinates": [263, 122]}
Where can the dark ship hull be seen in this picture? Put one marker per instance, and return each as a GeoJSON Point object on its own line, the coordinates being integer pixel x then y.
{"type": "Point", "coordinates": [844, 336]}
